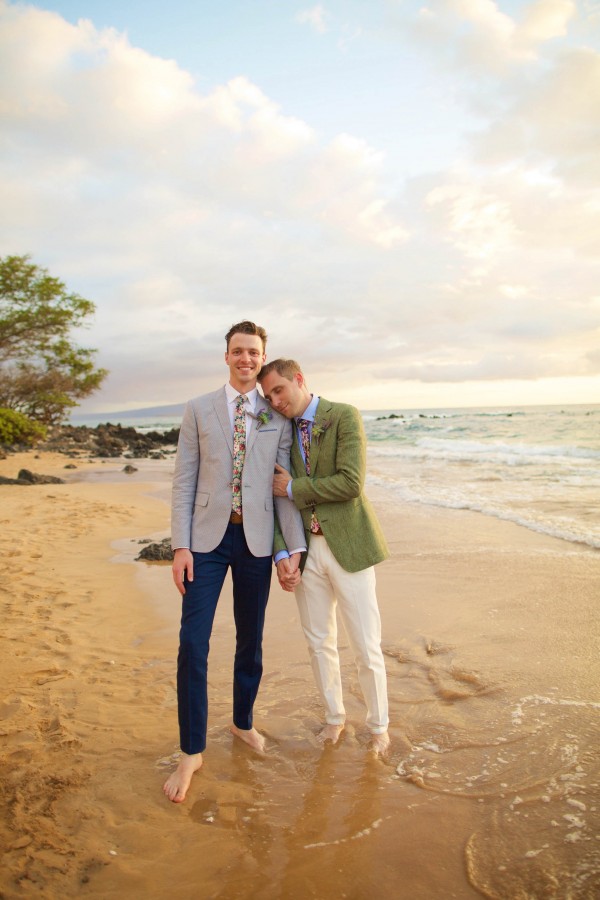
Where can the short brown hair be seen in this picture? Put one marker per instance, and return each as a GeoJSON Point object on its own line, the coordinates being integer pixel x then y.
{"type": "Point", "coordinates": [247, 327]}
{"type": "Point", "coordinates": [287, 368]}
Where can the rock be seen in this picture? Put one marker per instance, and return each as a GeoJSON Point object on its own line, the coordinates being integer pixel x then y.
{"type": "Point", "coordinates": [109, 441]}
{"type": "Point", "coordinates": [129, 469]}
{"type": "Point", "coordinates": [4, 480]}
{"type": "Point", "coordinates": [34, 478]}
{"type": "Point", "coordinates": [158, 551]}
{"type": "Point", "coordinates": [70, 466]}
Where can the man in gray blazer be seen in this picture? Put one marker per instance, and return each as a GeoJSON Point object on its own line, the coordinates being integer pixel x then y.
{"type": "Point", "coordinates": [223, 517]}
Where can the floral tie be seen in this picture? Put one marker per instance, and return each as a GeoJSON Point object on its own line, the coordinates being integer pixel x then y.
{"type": "Point", "coordinates": [305, 438]}
{"type": "Point", "coordinates": [239, 452]}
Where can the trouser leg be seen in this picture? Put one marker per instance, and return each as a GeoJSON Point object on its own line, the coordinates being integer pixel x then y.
{"type": "Point", "coordinates": [251, 584]}
{"type": "Point", "coordinates": [316, 607]}
{"type": "Point", "coordinates": [359, 611]}
{"type": "Point", "coordinates": [197, 615]}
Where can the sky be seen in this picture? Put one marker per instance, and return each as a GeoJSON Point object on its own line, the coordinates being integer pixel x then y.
{"type": "Point", "coordinates": [406, 195]}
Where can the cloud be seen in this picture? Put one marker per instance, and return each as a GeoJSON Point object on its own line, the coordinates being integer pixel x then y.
{"type": "Point", "coordinates": [316, 17]}
{"type": "Point", "coordinates": [477, 32]}
{"type": "Point", "coordinates": [552, 121]}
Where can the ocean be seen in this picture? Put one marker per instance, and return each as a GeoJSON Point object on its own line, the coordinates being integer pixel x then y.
{"type": "Point", "coordinates": [537, 466]}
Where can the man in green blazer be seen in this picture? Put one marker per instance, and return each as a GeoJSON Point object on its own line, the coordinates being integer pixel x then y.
{"type": "Point", "coordinates": [345, 541]}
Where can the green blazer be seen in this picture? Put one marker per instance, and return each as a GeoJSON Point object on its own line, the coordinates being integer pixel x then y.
{"type": "Point", "coordinates": [335, 488]}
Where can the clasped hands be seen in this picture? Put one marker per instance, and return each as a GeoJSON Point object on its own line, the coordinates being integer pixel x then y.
{"type": "Point", "coordinates": [288, 572]}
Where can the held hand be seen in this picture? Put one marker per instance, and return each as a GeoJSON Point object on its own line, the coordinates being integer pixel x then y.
{"type": "Point", "coordinates": [294, 562]}
{"type": "Point", "coordinates": [183, 565]}
{"type": "Point", "coordinates": [288, 576]}
{"type": "Point", "coordinates": [280, 481]}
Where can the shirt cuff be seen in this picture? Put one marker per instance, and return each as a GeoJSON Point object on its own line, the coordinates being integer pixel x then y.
{"type": "Point", "coordinates": [288, 488]}
{"type": "Point", "coordinates": [285, 554]}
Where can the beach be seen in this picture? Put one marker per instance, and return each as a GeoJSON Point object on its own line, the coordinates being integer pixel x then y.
{"type": "Point", "coordinates": [492, 787]}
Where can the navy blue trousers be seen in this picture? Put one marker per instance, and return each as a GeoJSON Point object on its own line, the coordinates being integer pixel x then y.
{"type": "Point", "coordinates": [251, 577]}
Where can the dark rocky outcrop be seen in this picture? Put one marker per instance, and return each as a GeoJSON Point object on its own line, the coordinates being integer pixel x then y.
{"type": "Point", "coordinates": [109, 440]}
{"type": "Point", "coordinates": [34, 478]}
{"type": "Point", "coordinates": [26, 477]}
{"type": "Point", "coordinates": [157, 552]}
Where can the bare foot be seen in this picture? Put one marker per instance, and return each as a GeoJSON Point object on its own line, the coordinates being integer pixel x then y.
{"type": "Point", "coordinates": [249, 736]}
{"type": "Point", "coordinates": [176, 786]}
{"type": "Point", "coordinates": [380, 744]}
{"type": "Point", "coordinates": [330, 733]}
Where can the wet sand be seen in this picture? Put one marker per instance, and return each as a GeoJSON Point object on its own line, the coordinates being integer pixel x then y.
{"type": "Point", "coordinates": [493, 783]}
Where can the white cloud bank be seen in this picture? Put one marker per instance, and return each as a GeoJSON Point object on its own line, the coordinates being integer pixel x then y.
{"type": "Point", "coordinates": [179, 212]}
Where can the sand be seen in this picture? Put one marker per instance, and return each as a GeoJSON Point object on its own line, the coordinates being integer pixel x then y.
{"type": "Point", "coordinates": [492, 786]}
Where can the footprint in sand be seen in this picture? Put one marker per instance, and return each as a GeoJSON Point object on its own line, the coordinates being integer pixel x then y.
{"type": "Point", "coordinates": [10, 707]}
{"type": "Point", "coordinates": [63, 638]}
{"type": "Point", "coordinates": [45, 676]}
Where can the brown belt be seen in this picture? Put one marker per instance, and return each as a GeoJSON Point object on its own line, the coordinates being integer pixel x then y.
{"type": "Point", "coordinates": [236, 518]}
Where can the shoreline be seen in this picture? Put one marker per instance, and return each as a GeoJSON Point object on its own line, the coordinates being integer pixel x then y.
{"type": "Point", "coordinates": [488, 631]}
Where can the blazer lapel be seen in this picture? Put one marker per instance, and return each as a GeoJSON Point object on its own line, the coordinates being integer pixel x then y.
{"type": "Point", "coordinates": [323, 407]}
{"type": "Point", "coordinates": [296, 461]}
{"type": "Point", "coordinates": [220, 404]}
{"type": "Point", "coordinates": [261, 405]}
{"type": "Point", "coordinates": [251, 433]}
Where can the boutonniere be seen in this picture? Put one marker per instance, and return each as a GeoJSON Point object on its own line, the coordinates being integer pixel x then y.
{"type": "Point", "coordinates": [263, 416]}
{"type": "Point", "coordinates": [319, 429]}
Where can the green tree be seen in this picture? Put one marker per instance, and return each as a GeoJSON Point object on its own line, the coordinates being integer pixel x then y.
{"type": "Point", "coordinates": [42, 372]}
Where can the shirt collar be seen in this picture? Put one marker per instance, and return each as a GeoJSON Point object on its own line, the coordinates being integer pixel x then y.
{"type": "Point", "coordinates": [311, 410]}
{"type": "Point", "coordinates": [232, 394]}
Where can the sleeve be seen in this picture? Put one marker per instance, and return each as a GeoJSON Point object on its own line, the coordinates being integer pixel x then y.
{"type": "Point", "coordinates": [185, 480]}
{"type": "Point", "coordinates": [289, 530]}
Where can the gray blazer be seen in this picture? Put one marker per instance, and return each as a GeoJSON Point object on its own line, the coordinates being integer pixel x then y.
{"type": "Point", "coordinates": [201, 499]}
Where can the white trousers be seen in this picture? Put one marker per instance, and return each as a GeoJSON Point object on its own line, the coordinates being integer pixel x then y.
{"type": "Point", "coordinates": [324, 585]}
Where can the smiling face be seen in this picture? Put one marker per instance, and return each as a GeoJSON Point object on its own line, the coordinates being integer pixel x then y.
{"type": "Point", "coordinates": [245, 356]}
{"type": "Point", "coordinates": [288, 397]}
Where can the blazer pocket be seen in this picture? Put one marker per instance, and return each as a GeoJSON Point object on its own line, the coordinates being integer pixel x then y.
{"type": "Point", "coordinates": [265, 430]}
{"type": "Point", "coordinates": [201, 500]}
